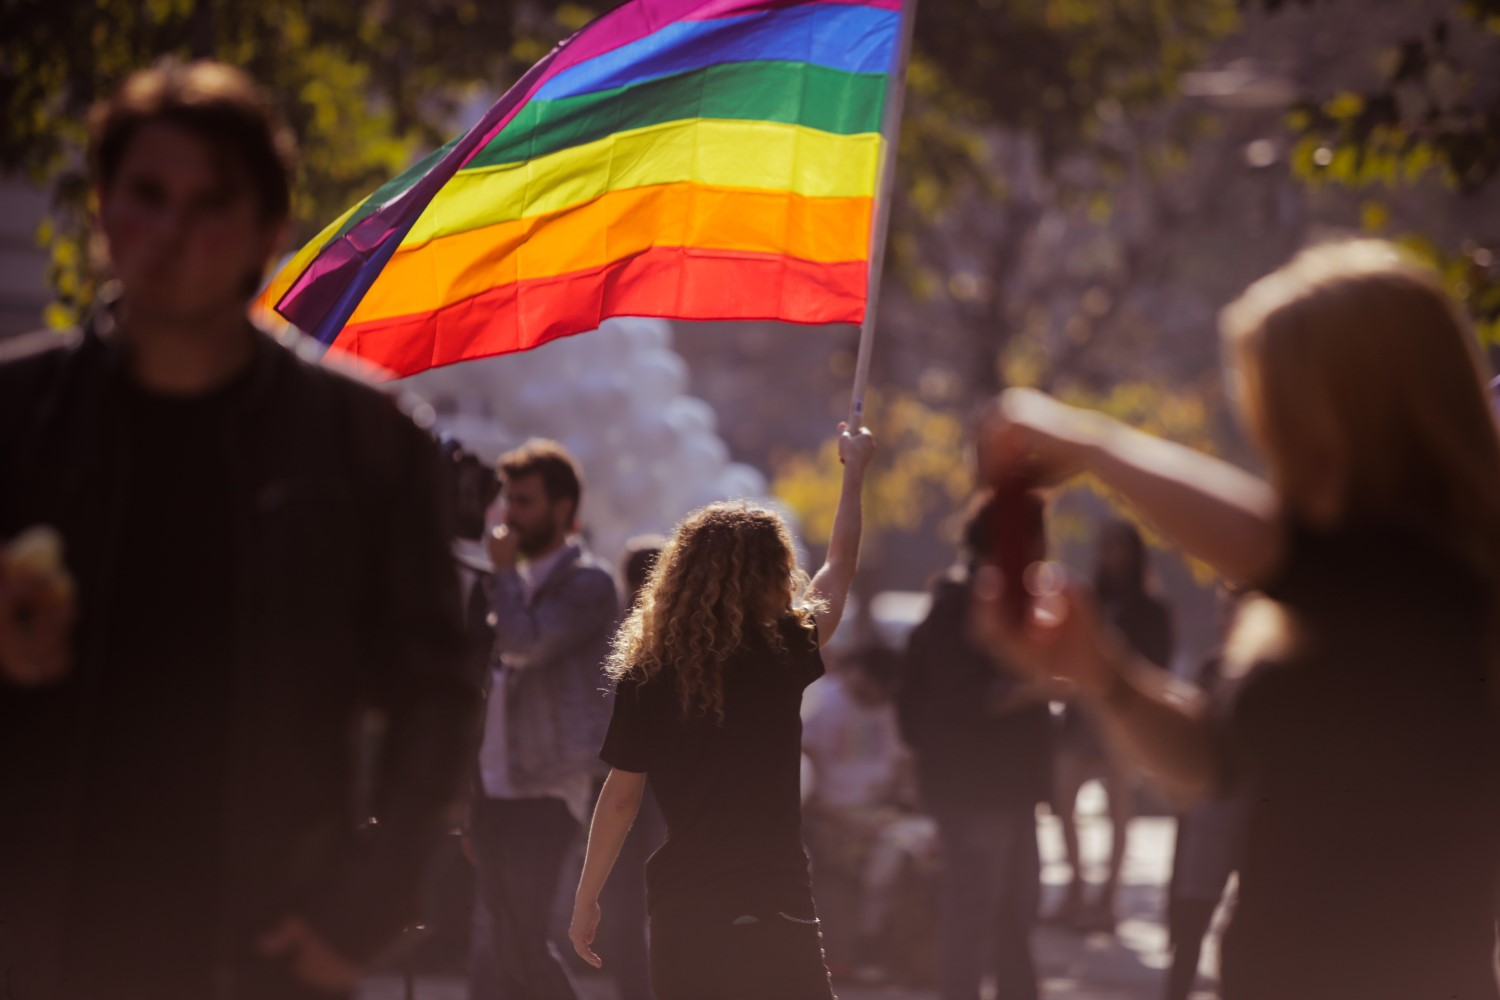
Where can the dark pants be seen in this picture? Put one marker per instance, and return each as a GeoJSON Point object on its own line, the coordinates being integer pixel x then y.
{"type": "Point", "coordinates": [519, 847]}
{"type": "Point", "coordinates": [991, 886]}
{"type": "Point", "coordinates": [747, 958]}
{"type": "Point", "coordinates": [1189, 922]}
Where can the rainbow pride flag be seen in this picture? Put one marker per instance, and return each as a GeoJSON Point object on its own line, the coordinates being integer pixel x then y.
{"type": "Point", "coordinates": [688, 159]}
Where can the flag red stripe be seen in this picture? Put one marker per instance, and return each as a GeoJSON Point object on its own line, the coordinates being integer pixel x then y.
{"type": "Point", "coordinates": [689, 283]}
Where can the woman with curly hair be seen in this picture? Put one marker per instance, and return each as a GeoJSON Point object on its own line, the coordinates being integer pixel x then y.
{"type": "Point", "coordinates": [709, 668]}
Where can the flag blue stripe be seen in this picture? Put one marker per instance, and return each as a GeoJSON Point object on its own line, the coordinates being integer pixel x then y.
{"type": "Point", "coordinates": [845, 37]}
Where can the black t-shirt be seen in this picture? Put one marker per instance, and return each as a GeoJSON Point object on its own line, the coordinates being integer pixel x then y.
{"type": "Point", "coordinates": [967, 756]}
{"type": "Point", "coordinates": [730, 792]}
{"type": "Point", "coordinates": [148, 867]}
{"type": "Point", "coordinates": [1369, 757]}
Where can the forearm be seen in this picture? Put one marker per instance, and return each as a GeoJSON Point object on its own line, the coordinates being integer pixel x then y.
{"type": "Point", "coordinates": [1210, 508]}
{"type": "Point", "coordinates": [837, 574]}
{"type": "Point", "coordinates": [613, 815]}
{"type": "Point", "coordinates": [518, 630]}
{"type": "Point", "coordinates": [848, 523]}
{"type": "Point", "coordinates": [552, 628]}
{"type": "Point", "coordinates": [830, 587]}
{"type": "Point", "coordinates": [1161, 722]}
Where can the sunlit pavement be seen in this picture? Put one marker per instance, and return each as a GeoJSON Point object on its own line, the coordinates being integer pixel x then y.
{"type": "Point", "coordinates": [1129, 965]}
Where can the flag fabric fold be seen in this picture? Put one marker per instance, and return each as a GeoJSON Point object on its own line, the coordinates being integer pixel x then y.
{"type": "Point", "coordinates": [688, 159]}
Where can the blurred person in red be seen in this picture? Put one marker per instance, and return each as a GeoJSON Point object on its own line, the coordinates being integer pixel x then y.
{"type": "Point", "coordinates": [260, 550]}
{"type": "Point", "coordinates": [1358, 708]}
{"type": "Point", "coordinates": [1145, 622]}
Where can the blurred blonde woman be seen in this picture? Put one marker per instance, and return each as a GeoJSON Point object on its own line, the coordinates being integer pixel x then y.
{"type": "Point", "coordinates": [710, 668]}
{"type": "Point", "coordinates": [1359, 711]}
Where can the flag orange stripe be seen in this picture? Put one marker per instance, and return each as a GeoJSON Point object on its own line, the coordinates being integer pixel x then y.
{"type": "Point", "coordinates": [612, 227]}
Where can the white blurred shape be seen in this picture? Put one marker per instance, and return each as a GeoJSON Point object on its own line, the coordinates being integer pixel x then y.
{"type": "Point", "coordinates": [615, 399]}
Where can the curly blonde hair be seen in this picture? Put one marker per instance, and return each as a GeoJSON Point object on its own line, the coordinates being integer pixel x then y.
{"type": "Point", "coordinates": [727, 574]}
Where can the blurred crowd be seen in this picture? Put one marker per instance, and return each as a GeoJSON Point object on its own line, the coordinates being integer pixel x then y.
{"type": "Point", "coordinates": [244, 696]}
{"type": "Point", "coordinates": [928, 768]}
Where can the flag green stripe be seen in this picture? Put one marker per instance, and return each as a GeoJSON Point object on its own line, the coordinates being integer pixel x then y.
{"type": "Point", "coordinates": [791, 93]}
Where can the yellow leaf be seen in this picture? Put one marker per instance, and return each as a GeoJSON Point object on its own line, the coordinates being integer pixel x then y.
{"type": "Point", "coordinates": [57, 316]}
{"type": "Point", "coordinates": [1345, 106]}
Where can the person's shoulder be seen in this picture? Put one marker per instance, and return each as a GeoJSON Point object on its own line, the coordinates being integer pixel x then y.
{"type": "Point", "coordinates": [33, 367]}
{"type": "Point", "coordinates": [33, 356]}
{"type": "Point", "coordinates": [39, 347]}
{"type": "Point", "coordinates": [588, 562]}
{"type": "Point", "coordinates": [588, 568]}
{"type": "Point", "coordinates": [951, 584]}
{"type": "Point", "coordinates": [654, 695]}
{"type": "Point", "coordinates": [950, 591]}
{"type": "Point", "coordinates": [346, 378]}
{"type": "Point", "coordinates": [387, 429]}
{"type": "Point", "coordinates": [799, 630]}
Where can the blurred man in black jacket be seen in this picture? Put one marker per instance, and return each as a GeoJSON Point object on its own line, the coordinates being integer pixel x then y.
{"type": "Point", "coordinates": [260, 550]}
{"type": "Point", "coordinates": [982, 742]}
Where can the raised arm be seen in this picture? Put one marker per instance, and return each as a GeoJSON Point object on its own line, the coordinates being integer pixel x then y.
{"type": "Point", "coordinates": [830, 586]}
{"type": "Point", "coordinates": [613, 815]}
{"type": "Point", "coordinates": [1210, 508]}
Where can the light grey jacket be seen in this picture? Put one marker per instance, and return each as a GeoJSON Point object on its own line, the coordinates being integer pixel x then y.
{"type": "Point", "coordinates": [553, 649]}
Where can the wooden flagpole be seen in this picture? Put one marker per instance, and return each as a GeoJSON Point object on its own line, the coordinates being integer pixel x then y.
{"type": "Point", "coordinates": [891, 137]}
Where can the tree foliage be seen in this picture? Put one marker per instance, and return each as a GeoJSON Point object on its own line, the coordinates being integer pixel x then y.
{"type": "Point", "coordinates": [1432, 114]}
{"type": "Point", "coordinates": [1058, 72]}
{"type": "Point", "coordinates": [987, 77]}
{"type": "Point", "coordinates": [363, 86]}
{"type": "Point", "coordinates": [920, 470]}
